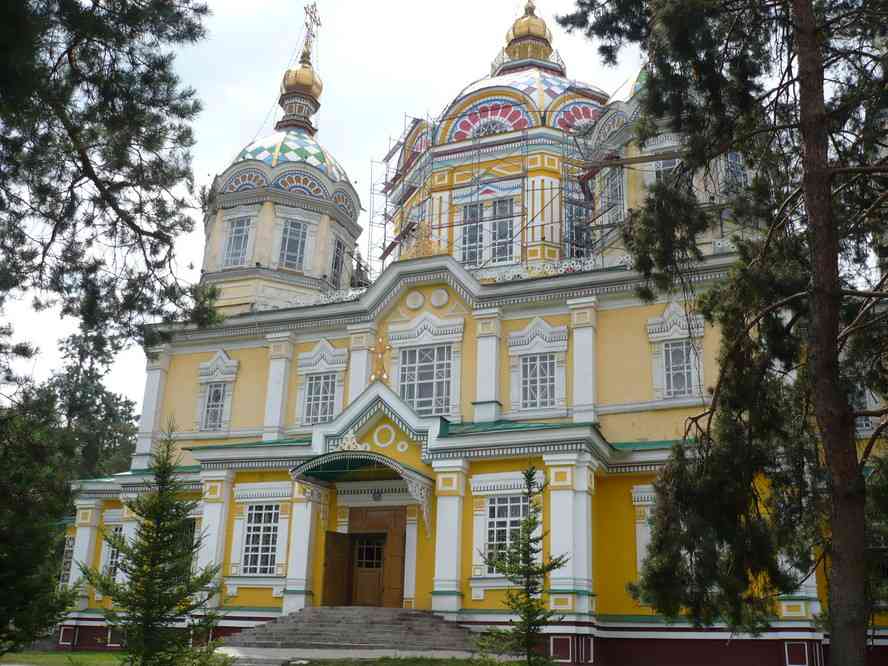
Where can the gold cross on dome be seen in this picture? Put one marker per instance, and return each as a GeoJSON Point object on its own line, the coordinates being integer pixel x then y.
{"type": "Point", "coordinates": [379, 350]}
{"type": "Point", "coordinates": [312, 23]}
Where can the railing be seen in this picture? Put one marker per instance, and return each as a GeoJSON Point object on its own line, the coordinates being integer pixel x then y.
{"type": "Point", "coordinates": [503, 57]}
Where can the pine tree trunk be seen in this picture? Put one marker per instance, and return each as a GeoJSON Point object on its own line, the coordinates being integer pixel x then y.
{"type": "Point", "coordinates": [847, 573]}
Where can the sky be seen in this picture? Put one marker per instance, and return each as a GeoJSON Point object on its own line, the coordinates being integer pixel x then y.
{"type": "Point", "coordinates": [380, 62]}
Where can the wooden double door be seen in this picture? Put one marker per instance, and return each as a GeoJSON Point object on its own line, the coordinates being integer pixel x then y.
{"type": "Point", "coordinates": [366, 566]}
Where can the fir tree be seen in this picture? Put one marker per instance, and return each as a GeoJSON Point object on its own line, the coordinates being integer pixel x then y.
{"type": "Point", "coordinates": [156, 589]}
{"type": "Point", "coordinates": [771, 483]}
{"type": "Point", "coordinates": [523, 565]}
{"type": "Point", "coordinates": [34, 499]}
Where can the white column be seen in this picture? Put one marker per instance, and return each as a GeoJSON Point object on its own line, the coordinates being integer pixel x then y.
{"type": "Point", "coordinates": [280, 357]}
{"type": "Point", "coordinates": [583, 323]}
{"type": "Point", "coordinates": [487, 382]}
{"type": "Point", "coordinates": [215, 504]}
{"type": "Point", "coordinates": [410, 542]}
{"type": "Point", "coordinates": [87, 525]}
{"type": "Point", "coordinates": [360, 363]}
{"type": "Point", "coordinates": [571, 480]}
{"type": "Point", "coordinates": [450, 489]}
{"type": "Point", "coordinates": [129, 526]}
{"type": "Point", "coordinates": [155, 381]}
{"type": "Point", "coordinates": [308, 502]}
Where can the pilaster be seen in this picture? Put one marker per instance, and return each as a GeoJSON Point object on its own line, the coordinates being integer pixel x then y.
{"type": "Point", "coordinates": [571, 479]}
{"type": "Point", "coordinates": [280, 359]}
{"type": "Point", "coordinates": [488, 406]}
{"type": "Point", "coordinates": [309, 501]}
{"type": "Point", "coordinates": [410, 542]}
{"type": "Point", "coordinates": [450, 490]}
{"type": "Point", "coordinates": [156, 370]}
{"type": "Point", "coordinates": [87, 513]}
{"type": "Point", "coordinates": [215, 505]}
{"type": "Point", "coordinates": [360, 363]}
{"type": "Point", "coordinates": [583, 326]}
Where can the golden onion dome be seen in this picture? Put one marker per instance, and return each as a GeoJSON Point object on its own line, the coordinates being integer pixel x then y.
{"type": "Point", "coordinates": [529, 25]}
{"type": "Point", "coordinates": [302, 79]}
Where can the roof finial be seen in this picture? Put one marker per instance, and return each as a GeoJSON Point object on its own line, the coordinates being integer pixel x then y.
{"type": "Point", "coordinates": [312, 23]}
{"type": "Point", "coordinates": [530, 8]}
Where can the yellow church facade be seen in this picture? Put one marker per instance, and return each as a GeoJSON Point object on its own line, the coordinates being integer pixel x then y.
{"type": "Point", "coordinates": [358, 442]}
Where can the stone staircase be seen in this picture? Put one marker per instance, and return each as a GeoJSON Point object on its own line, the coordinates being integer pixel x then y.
{"type": "Point", "coordinates": [357, 628]}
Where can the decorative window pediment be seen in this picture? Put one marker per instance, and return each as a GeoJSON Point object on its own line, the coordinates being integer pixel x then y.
{"type": "Point", "coordinates": [314, 404]}
{"type": "Point", "coordinates": [426, 329]}
{"type": "Point", "coordinates": [675, 323]}
{"type": "Point", "coordinates": [643, 499]}
{"type": "Point", "coordinates": [537, 360]}
{"type": "Point", "coordinates": [220, 368]}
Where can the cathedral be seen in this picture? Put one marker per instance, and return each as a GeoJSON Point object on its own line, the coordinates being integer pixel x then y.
{"type": "Point", "coordinates": [355, 436]}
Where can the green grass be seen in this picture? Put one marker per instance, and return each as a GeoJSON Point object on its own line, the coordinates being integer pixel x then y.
{"type": "Point", "coordinates": [61, 658]}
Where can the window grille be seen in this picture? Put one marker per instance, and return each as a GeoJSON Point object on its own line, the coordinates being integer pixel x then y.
{"type": "Point", "coordinates": [504, 516]}
{"type": "Point", "coordinates": [425, 379]}
{"type": "Point", "coordinates": [735, 171]}
{"type": "Point", "coordinates": [537, 381]}
{"type": "Point", "coordinates": [612, 197]}
{"type": "Point", "coordinates": [214, 406]}
{"type": "Point", "coordinates": [293, 245]}
{"type": "Point", "coordinates": [679, 367]}
{"type": "Point", "coordinates": [502, 232]}
{"type": "Point", "coordinates": [113, 553]}
{"type": "Point", "coordinates": [67, 561]}
{"type": "Point", "coordinates": [236, 246]}
{"type": "Point", "coordinates": [319, 398]}
{"type": "Point", "coordinates": [472, 235]}
{"type": "Point", "coordinates": [337, 263]}
{"type": "Point", "coordinates": [260, 540]}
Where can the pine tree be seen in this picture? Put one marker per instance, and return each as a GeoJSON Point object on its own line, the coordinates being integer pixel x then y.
{"type": "Point", "coordinates": [770, 484]}
{"type": "Point", "coordinates": [523, 565]}
{"type": "Point", "coordinates": [156, 588]}
{"type": "Point", "coordinates": [34, 498]}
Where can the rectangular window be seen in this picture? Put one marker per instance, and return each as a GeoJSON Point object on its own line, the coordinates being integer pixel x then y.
{"type": "Point", "coordinates": [472, 235]}
{"type": "Point", "coordinates": [537, 381]}
{"type": "Point", "coordinates": [113, 553]}
{"type": "Point", "coordinates": [236, 245]}
{"type": "Point", "coordinates": [319, 393]}
{"type": "Point", "coordinates": [293, 245]}
{"type": "Point", "coordinates": [504, 516]}
{"type": "Point", "coordinates": [214, 406]}
{"type": "Point", "coordinates": [502, 232]}
{"type": "Point", "coordinates": [337, 263]}
{"type": "Point", "coordinates": [425, 379]}
{"type": "Point", "coordinates": [680, 359]}
{"type": "Point", "coordinates": [612, 196]}
{"type": "Point", "coordinates": [67, 561]}
{"type": "Point", "coordinates": [735, 171]}
{"type": "Point", "coordinates": [260, 540]}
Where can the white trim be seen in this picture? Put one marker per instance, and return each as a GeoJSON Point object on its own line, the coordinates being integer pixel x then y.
{"type": "Point", "coordinates": [311, 220]}
{"type": "Point", "coordinates": [804, 644]}
{"type": "Point", "coordinates": [643, 500]}
{"type": "Point", "coordinates": [219, 369]}
{"type": "Point", "coordinates": [324, 358]}
{"type": "Point", "coordinates": [538, 337]}
{"type": "Point", "coordinates": [229, 215]}
{"type": "Point", "coordinates": [570, 642]}
{"type": "Point", "coordinates": [270, 492]}
{"type": "Point", "coordinates": [500, 483]}
{"type": "Point", "coordinates": [675, 324]}
{"type": "Point", "coordinates": [373, 493]}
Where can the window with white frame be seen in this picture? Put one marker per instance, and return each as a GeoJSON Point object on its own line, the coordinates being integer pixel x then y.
{"type": "Point", "coordinates": [676, 345]}
{"type": "Point", "coordinates": [679, 360]}
{"type": "Point", "coordinates": [472, 235]}
{"type": "Point", "coordinates": [214, 406]}
{"type": "Point", "coordinates": [537, 381]}
{"type": "Point", "coordinates": [337, 263]}
{"type": "Point", "coordinates": [67, 561]}
{"type": "Point", "coordinates": [424, 379]}
{"type": "Point", "coordinates": [502, 232]}
{"type": "Point", "coordinates": [293, 245]}
{"type": "Point", "coordinates": [260, 539]}
{"type": "Point", "coordinates": [113, 560]}
{"type": "Point", "coordinates": [612, 196]}
{"type": "Point", "coordinates": [735, 171]}
{"type": "Point", "coordinates": [504, 516]}
{"type": "Point", "coordinates": [237, 242]}
{"type": "Point", "coordinates": [320, 392]}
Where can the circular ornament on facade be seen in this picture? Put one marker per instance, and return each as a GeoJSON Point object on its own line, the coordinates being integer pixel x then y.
{"type": "Point", "coordinates": [402, 447]}
{"type": "Point", "coordinates": [384, 436]}
{"type": "Point", "coordinates": [439, 298]}
{"type": "Point", "coordinates": [414, 300]}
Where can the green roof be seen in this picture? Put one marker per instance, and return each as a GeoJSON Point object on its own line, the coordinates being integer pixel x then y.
{"type": "Point", "coordinates": [464, 429]}
{"type": "Point", "coordinates": [301, 441]}
{"type": "Point", "coordinates": [646, 445]}
{"type": "Point", "coordinates": [181, 469]}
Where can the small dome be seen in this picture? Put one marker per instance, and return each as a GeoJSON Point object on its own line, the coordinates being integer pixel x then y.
{"type": "Point", "coordinates": [295, 146]}
{"type": "Point", "coordinates": [529, 25]}
{"type": "Point", "coordinates": [302, 79]}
